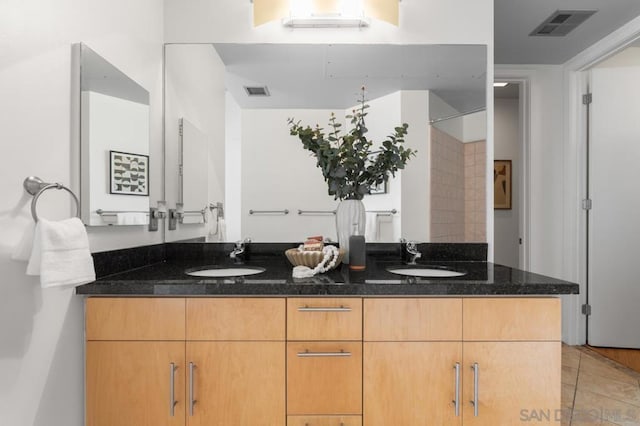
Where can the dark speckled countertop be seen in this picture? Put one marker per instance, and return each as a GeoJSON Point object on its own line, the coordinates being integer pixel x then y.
{"type": "Point", "coordinates": [167, 277]}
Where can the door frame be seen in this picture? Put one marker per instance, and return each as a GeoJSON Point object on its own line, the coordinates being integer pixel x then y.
{"type": "Point", "coordinates": [524, 118]}
{"type": "Point", "coordinates": [576, 83]}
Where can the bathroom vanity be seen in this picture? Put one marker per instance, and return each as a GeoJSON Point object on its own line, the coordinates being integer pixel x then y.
{"type": "Point", "coordinates": [370, 348]}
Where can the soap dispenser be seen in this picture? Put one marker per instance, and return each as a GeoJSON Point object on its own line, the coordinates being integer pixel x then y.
{"type": "Point", "coordinates": [357, 250]}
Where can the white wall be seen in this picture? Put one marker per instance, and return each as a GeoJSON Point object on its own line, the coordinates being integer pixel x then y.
{"type": "Point", "coordinates": [194, 91]}
{"type": "Point", "coordinates": [474, 127]}
{"type": "Point", "coordinates": [278, 173]}
{"type": "Point", "coordinates": [546, 165]}
{"type": "Point", "coordinates": [233, 169]}
{"type": "Point", "coordinates": [507, 147]}
{"type": "Point", "coordinates": [383, 115]}
{"type": "Point", "coordinates": [440, 109]}
{"type": "Point", "coordinates": [416, 181]}
{"type": "Point", "coordinates": [41, 331]}
{"type": "Point", "coordinates": [114, 124]}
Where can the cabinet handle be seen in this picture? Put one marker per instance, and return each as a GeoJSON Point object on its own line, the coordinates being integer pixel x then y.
{"type": "Point", "coordinates": [324, 309]}
{"type": "Point", "coordinates": [172, 395]}
{"type": "Point", "coordinates": [192, 401]}
{"type": "Point", "coordinates": [476, 402]}
{"type": "Point", "coordinates": [456, 401]}
{"type": "Point", "coordinates": [307, 354]}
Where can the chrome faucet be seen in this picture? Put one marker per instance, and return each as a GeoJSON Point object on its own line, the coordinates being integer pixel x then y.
{"type": "Point", "coordinates": [412, 251]}
{"type": "Point", "coordinates": [239, 250]}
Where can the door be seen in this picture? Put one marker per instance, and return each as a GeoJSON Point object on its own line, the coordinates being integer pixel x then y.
{"type": "Point", "coordinates": [134, 383]}
{"type": "Point", "coordinates": [512, 383]}
{"type": "Point", "coordinates": [412, 383]}
{"type": "Point", "coordinates": [614, 227]}
{"type": "Point", "coordinates": [235, 383]}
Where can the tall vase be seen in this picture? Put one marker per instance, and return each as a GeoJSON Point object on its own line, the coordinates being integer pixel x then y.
{"type": "Point", "coordinates": [348, 213]}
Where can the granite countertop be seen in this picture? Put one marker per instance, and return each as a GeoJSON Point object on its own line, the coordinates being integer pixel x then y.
{"type": "Point", "coordinates": [168, 278]}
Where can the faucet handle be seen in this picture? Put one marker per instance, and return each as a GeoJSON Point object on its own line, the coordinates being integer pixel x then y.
{"type": "Point", "coordinates": [412, 246]}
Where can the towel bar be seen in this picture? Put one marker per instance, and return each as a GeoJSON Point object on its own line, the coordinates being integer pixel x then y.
{"type": "Point", "coordinates": [36, 186]}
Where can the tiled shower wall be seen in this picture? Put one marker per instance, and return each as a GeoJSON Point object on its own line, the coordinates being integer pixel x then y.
{"type": "Point", "coordinates": [458, 195]}
{"type": "Point", "coordinates": [475, 200]}
{"type": "Point", "coordinates": [447, 188]}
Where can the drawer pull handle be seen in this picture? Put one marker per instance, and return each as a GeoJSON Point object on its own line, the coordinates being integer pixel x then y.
{"type": "Point", "coordinates": [309, 424]}
{"type": "Point", "coordinates": [456, 401]}
{"type": "Point", "coordinates": [324, 309]}
{"type": "Point", "coordinates": [192, 400]}
{"type": "Point", "coordinates": [476, 372]}
{"type": "Point", "coordinates": [307, 354]}
{"type": "Point", "coordinates": [172, 395]}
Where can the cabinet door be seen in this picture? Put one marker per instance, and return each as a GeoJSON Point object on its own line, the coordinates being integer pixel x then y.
{"type": "Point", "coordinates": [411, 383]}
{"type": "Point", "coordinates": [518, 382]}
{"type": "Point", "coordinates": [131, 383]}
{"type": "Point", "coordinates": [236, 383]}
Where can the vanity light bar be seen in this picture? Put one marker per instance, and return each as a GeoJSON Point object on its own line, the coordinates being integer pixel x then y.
{"type": "Point", "coordinates": [326, 22]}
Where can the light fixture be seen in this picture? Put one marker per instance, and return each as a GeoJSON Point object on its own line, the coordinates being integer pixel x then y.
{"type": "Point", "coordinates": [500, 84]}
{"type": "Point", "coordinates": [325, 13]}
{"type": "Point", "coordinates": [325, 21]}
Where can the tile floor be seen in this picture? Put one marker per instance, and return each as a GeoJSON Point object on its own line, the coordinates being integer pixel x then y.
{"type": "Point", "coordinates": [598, 391]}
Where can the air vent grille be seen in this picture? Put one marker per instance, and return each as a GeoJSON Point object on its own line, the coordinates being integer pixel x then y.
{"type": "Point", "coordinates": [561, 23]}
{"type": "Point", "coordinates": [256, 90]}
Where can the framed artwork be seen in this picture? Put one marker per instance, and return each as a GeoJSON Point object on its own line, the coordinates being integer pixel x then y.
{"type": "Point", "coordinates": [378, 189]}
{"type": "Point", "coordinates": [129, 173]}
{"type": "Point", "coordinates": [502, 184]}
{"type": "Point", "coordinates": [382, 187]}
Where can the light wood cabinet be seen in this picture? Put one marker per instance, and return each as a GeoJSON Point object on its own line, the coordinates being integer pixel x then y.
{"type": "Point", "coordinates": [320, 361]}
{"type": "Point", "coordinates": [511, 360]}
{"type": "Point", "coordinates": [324, 378]}
{"type": "Point", "coordinates": [324, 318]}
{"type": "Point", "coordinates": [235, 383]}
{"type": "Point", "coordinates": [133, 383]}
{"type": "Point", "coordinates": [225, 355]}
{"type": "Point", "coordinates": [324, 421]}
{"type": "Point", "coordinates": [411, 383]}
{"type": "Point", "coordinates": [511, 376]}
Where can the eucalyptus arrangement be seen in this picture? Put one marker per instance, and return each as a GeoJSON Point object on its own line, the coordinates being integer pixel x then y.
{"type": "Point", "coordinates": [348, 164]}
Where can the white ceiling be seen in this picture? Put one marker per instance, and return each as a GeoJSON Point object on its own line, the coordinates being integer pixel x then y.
{"type": "Point", "coordinates": [330, 76]}
{"type": "Point", "coordinates": [515, 19]}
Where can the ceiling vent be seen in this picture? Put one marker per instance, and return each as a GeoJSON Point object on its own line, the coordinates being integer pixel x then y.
{"type": "Point", "coordinates": [256, 90]}
{"type": "Point", "coordinates": [562, 22]}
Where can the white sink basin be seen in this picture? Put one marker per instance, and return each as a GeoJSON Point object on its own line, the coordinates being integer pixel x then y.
{"type": "Point", "coordinates": [426, 272]}
{"type": "Point", "coordinates": [225, 272]}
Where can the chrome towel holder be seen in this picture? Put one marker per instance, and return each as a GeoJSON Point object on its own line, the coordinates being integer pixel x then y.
{"type": "Point", "coordinates": [36, 186]}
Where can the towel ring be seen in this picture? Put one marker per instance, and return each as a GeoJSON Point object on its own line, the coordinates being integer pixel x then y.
{"type": "Point", "coordinates": [35, 186]}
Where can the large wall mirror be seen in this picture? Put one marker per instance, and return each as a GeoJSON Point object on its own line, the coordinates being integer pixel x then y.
{"type": "Point", "coordinates": [114, 143]}
{"type": "Point", "coordinates": [236, 99]}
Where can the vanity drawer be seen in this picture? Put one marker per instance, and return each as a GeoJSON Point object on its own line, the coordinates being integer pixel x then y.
{"type": "Point", "coordinates": [412, 319]}
{"type": "Point", "coordinates": [507, 319]}
{"type": "Point", "coordinates": [324, 378]}
{"type": "Point", "coordinates": [134, 318]}
{"type": "Point", "coordinates": [235, 319]}
{"type": "Point", "coordinates": [324, 421]}
{"type": "Point", "coordinates": [324, 319]}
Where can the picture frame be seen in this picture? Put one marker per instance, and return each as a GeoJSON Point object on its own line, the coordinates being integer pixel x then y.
{"type": "Point", "coordinates": [128, 173]}
{"type": "Point", "coordinates": [502, 190]}
{"type": "Point", "coordinates": [379, 188]}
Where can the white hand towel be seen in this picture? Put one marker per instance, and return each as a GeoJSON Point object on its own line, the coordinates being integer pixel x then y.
{"type": "Point", "coordinates": [23, 250]}
{"type": "Point", "coordinates": [222, 230]}
{"type": "Point", "coordinates": [371, 228]}
{"type": "Point", "coordinates": [131, 218]}
{"type": "Point", "coordinates": [61, 254]}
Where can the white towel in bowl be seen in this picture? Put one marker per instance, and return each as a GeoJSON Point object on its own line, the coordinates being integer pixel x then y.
{"type": "Point", "coordinates": [60, 254]}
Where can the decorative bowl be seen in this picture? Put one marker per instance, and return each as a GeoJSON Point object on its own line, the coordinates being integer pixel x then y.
{"type": "Point", "coordinates": [309, 258]}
